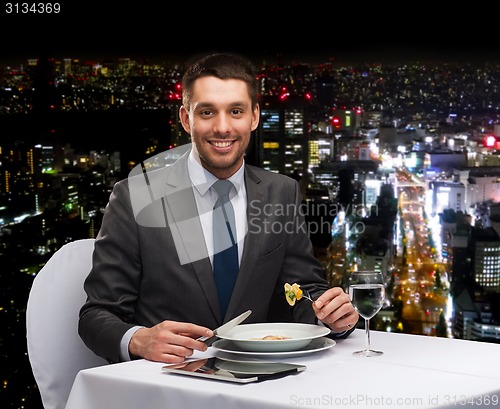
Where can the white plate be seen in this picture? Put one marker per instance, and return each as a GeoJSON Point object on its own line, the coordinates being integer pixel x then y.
{"type": "Point", "coordinates": [316, 345]}
{"type": "Point", "coordinates": [298, 335]}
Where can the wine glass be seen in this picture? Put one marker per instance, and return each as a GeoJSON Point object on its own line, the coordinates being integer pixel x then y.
{"type": "Point", "coordinates": [367, 294]}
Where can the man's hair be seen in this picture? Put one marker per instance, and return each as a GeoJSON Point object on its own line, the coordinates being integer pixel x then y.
{"type": "Point", "coordinates": [223, 66]}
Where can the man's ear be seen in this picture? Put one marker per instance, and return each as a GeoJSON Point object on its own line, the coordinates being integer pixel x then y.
{"type": "Point", "coordinates": [255, 117]}
{"type": "Point", "coordinates": [184, 117]}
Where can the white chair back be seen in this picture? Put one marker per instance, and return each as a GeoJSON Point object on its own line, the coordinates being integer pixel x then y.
{"type": "Point", "coordinates": [55, 350]}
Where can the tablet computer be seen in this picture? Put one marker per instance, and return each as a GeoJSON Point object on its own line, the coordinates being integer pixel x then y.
{"type": "Point", "coordinates": [232, 370]}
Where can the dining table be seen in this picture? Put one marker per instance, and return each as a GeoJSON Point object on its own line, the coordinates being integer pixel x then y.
{"type": "Point", "coordinates": [414, 371]}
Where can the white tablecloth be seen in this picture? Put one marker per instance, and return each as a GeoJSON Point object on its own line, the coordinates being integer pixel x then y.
{"type": "Point", "coordinates": [414, 372]}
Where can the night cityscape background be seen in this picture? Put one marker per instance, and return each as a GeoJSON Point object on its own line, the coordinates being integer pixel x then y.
{"type": "Point", "coordinates": [396, 144]}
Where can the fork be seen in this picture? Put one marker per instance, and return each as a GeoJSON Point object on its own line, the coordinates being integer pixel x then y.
{"type": "Point", "coordinates": [306, 294]}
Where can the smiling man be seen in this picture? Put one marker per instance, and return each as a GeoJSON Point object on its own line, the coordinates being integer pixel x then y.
{"type": "Point", "coordinates": [220, 122]}
{"type": "Point", "coordinates": [161, 278]}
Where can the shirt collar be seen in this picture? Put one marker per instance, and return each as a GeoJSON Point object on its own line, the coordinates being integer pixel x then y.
{"type": "Point", "coordinates": [202, 179]}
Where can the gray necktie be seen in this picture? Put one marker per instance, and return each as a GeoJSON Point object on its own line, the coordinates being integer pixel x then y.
{"type": "Point", "coordinates": [225, 262]}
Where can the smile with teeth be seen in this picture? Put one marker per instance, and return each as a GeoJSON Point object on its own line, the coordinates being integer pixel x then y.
{"type": "Point", "coordinates": [223, 144]}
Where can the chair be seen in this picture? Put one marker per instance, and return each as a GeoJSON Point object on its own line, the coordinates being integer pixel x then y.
{"type": "Point", "coordinates": [55, 350]}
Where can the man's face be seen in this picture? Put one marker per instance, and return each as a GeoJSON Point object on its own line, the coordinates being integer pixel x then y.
{"type": "Point", "coordinates": [220, 120]}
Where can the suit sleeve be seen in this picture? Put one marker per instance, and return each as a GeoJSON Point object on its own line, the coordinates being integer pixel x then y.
{"type": "Point", "coordinates": [300, 265]}
{"type": "Point", "coordinates": [111, 284]}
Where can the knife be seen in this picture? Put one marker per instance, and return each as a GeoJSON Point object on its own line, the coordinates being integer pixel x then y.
{"type": "Point", "coordinates": [224, 328]}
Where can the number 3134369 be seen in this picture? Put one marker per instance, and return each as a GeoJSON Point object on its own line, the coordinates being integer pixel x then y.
{"type": "Point", "coordinates": [32, 8]}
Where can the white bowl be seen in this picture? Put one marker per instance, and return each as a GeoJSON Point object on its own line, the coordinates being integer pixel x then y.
{"type": "Point", "coordinates": [249, 336]}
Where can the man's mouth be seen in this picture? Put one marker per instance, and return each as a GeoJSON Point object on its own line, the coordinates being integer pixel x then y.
{"type": "Point", "coordinates": [221, 144]}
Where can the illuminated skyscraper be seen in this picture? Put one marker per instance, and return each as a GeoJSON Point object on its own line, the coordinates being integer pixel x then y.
{"type": "Point", "coordinates": [283, 136]}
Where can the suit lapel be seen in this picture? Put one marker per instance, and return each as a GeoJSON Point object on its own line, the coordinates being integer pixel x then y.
{"type": "Point", "coordinates": [184, 222]}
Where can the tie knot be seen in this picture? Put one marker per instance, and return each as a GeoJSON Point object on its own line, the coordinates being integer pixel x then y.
{"type": "Point", "coordinates": [223, 187]}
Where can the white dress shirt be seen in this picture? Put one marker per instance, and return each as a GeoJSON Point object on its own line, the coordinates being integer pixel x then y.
{"type": "Point", "coordinates": [206, 197]}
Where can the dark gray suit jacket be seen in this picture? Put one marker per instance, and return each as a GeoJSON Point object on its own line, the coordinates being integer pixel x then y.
{"type": "Point", "coordinates": [150, 261]}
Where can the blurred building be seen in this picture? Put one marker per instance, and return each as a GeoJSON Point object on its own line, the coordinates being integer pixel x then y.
{"type": "Point", "coordinates": [447, 195]}
{"type": "Point", "coordinates": [475, 316]}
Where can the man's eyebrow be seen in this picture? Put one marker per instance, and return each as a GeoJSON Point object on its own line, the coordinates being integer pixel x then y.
{"type": "Point", "coordinates": [204, 105]}
{"type": "Point", "coordinates": [243, 104]}
{"type": "Point", "coordinates": [240, 103]}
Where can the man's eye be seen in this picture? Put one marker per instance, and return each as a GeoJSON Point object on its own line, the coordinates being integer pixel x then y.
{"type": "Point", "coordinates": [236, 111]}
{"type": "Point", "coordinates": [206, 113]}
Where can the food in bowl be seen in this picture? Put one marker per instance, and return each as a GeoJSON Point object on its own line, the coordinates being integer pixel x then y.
{"type": "Point", "coordinates": [272, 338]}
{"type": "Point", "coordinates": [276, 337]}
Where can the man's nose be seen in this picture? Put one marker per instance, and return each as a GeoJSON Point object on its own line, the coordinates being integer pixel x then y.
{"type": "Point", "coordinates": [222, 124]}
